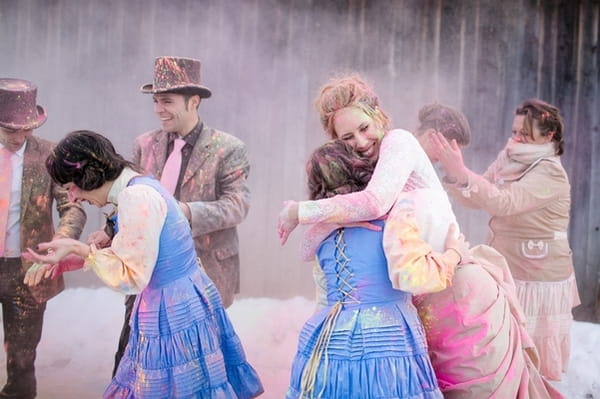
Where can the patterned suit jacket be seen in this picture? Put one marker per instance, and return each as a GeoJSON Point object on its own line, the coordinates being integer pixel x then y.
{"type": "Point", "coordinates": [38, 193]}
{"type": "Point", "coordinates": [215, 188]}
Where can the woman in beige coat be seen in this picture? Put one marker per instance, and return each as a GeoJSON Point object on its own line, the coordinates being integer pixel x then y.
{"type": "Point", "coordinates": [527, 193]}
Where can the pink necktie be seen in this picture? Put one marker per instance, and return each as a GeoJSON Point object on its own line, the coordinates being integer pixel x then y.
{"type": "Point", "coordinates": [170, 173]}
{"type": "Point", "coordinates": [5, 186]}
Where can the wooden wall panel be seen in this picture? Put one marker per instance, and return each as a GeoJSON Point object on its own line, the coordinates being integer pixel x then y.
{"type": "Point", "coordinates": [266, 59]}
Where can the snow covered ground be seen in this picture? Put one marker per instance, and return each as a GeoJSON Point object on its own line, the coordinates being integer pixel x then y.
{"type": "Point", "coordinates": [82, 325]}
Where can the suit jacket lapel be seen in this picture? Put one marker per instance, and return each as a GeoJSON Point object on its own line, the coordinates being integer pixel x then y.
{"type": "Point", "coordinates": [159, 152]}
{"type": "Point", "coordinates": [199, 154]}
{"type": "Point", "coordinates": [31, 164]}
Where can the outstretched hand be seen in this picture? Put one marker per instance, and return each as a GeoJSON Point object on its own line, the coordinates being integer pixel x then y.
{"type": "Point", "coordinates": [288, 220]}
{"type": "Point", "coordinates": [40, 271]}
{"type": "Point", "coordinates": [54, 251]}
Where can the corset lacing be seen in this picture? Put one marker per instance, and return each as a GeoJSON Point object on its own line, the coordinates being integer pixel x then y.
{"type": "Point", "coordinates": [343, 274]}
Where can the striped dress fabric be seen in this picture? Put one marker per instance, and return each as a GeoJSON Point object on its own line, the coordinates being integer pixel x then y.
{"type": "Point", "coordinates": [182, 343]}
{"type": "Point", "coordinates": [368, 342]}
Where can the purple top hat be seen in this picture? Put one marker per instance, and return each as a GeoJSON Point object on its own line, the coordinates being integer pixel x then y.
{"type": "Point", "coordinates": [176, 74]}
{"type": "Point", "coordinates": [18, 108]}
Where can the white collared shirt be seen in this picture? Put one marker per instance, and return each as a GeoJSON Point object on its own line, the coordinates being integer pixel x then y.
{"type": "Point", "coordinates": [13, 232]}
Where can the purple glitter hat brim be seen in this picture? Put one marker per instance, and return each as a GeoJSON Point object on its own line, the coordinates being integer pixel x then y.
{"type": "Point", "coordinates": [41, 119]}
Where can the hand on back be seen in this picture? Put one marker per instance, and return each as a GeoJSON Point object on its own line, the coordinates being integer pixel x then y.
{"type": "Point", "coordinates": [457, 242]}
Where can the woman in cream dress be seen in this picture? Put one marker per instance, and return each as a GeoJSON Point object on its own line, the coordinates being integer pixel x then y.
{"type": "Point", "coordinates": [526, 191]}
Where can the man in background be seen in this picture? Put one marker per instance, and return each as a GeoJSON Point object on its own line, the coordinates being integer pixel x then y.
{"type": "Point", "coordinates": [204, 168]}
{"type": "Point", "coordinates": [26, 197]}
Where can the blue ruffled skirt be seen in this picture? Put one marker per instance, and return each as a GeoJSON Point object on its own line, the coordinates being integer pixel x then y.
{"type": "Point", "coordinates": [182, 345]}
{"type": "Point", "coordinates": [366, 351]}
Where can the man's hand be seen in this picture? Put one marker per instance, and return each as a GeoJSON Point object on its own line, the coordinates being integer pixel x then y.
{"type": "Point", "coordinates": [39, 271]}
{"type": "Point", "coordinates": [99, 238]}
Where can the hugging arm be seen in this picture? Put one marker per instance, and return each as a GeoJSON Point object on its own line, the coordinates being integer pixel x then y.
{"type": "Point", "coordinates": [400, 155]}
{"type": "Point", "coordinates": [413, 266]}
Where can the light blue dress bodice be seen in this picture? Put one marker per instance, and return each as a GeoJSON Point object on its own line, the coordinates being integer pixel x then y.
{"type": "Point", "coordinates": [356, 274]}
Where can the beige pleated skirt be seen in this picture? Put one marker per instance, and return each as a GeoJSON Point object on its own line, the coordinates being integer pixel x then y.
{"type": "Point", "coordinates": [547, 307]}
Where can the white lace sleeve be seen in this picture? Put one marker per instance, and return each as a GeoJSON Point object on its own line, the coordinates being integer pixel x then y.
{"type": "Point", "coordinates": [400, 155]}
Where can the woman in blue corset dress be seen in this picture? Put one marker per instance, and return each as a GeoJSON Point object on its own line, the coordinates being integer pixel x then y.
{"type": "Point", "coordinates": [368, 342]}
{"type": "Point", "coordinates": [182, 344]}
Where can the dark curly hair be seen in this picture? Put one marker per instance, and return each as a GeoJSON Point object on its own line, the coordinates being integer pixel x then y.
{"type": "Point", "coordinates": [86, 159]}
{"type": "Point", "coordinates": [335, 168]}
{"type": "Point", "coordinates": [450, 122]}
{"type": "Point", "coordinates": [548, 119]}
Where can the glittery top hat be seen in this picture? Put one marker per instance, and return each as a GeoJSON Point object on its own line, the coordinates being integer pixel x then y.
{"type": "Point", "coordinates": [176, 74]}
{"type": "Point", "coordinates": [18, 108]}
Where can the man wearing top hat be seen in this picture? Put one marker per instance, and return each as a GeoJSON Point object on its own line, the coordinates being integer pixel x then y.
{"type": "Point", "coordinates": [209, 177]}
{"type": "Point", "coordinates": [26, 197]}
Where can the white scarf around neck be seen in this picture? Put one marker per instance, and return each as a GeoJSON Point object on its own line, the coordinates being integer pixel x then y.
{"type": "Point", "coordinates": [516, 159]}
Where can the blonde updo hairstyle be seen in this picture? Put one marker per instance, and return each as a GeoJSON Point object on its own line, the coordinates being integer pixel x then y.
{"type": "Point", "coordinates": [349, 91]}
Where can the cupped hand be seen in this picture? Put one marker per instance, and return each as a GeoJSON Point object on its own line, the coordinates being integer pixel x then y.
{"type": "Point", "coordinates": [288, 220]}
{"type": "Point", "coordinates": [52, 252]}
{"type": "Point", "coordinates": [38, 272]}
{"type": "Point", "coordinates": [450, 157]}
